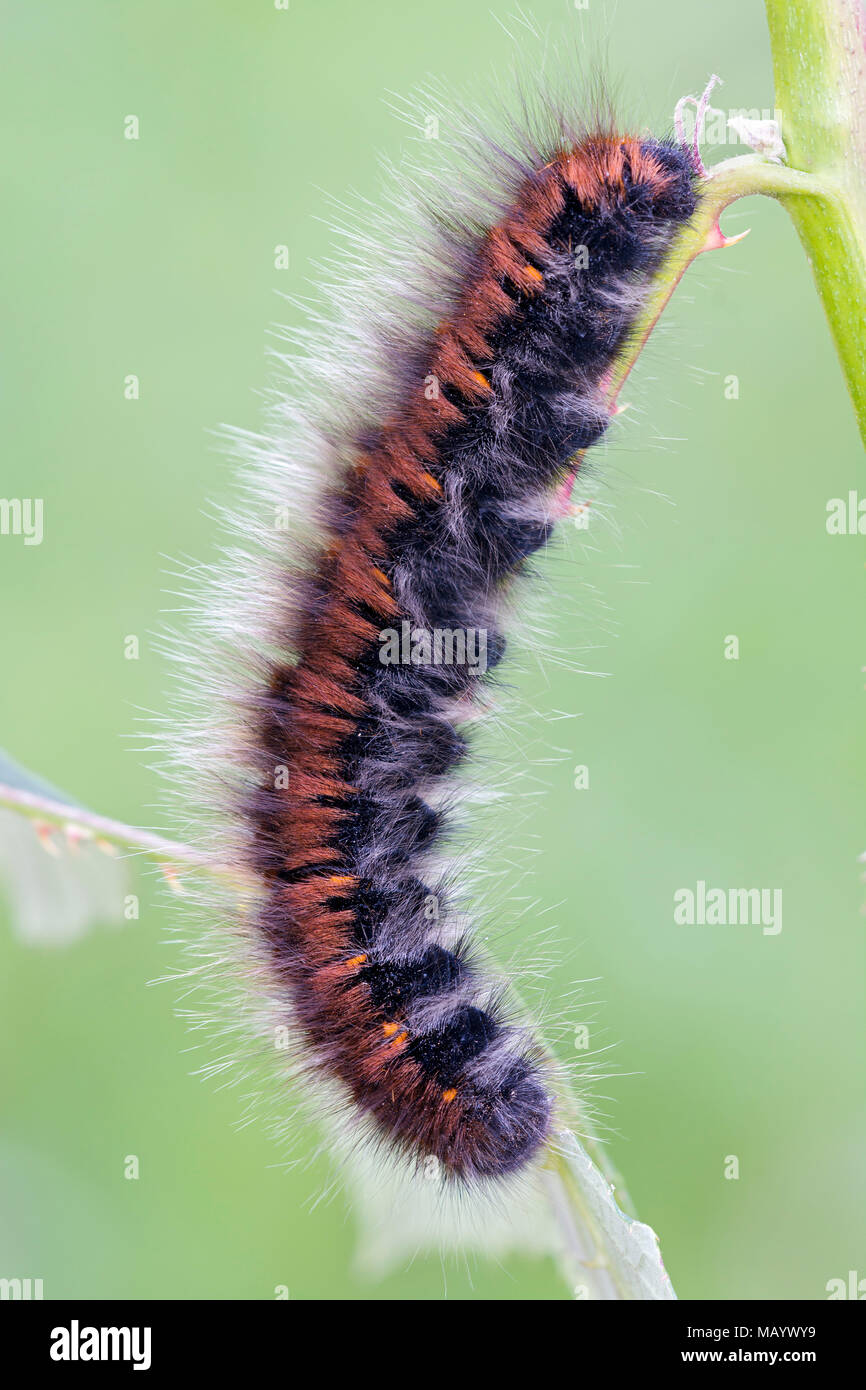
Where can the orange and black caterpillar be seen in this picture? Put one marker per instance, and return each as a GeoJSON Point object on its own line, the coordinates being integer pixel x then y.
{"type": "Point", "coordinates": [436, 504]}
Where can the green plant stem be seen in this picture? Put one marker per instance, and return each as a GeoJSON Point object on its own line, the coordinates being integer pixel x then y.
{"type": "Point", "coordinates": [58, 814]}
{"type": "Point", "coordinates": [725, 182]}
{"type": "Point", "coordinates": [735, 178]}
{"type": "Point", "coordinates": [819, 65]}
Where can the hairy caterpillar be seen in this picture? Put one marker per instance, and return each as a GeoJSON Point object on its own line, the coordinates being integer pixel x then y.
{"type": "Point", "coordinates": [443, 484]}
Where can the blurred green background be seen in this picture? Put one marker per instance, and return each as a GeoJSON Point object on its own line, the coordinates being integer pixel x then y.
{"type": "Point", "coordinates": [156, 257]}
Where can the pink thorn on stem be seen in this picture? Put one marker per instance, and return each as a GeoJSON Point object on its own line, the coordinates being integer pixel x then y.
{"type": "Point", "coordinates": [717, 241]}
{"type": "Point", "coordinates": [45, 834]}
{"type": "Point", "coordinates": [169, 873]}
{"type": "Point", "coordinates": [75, 834]}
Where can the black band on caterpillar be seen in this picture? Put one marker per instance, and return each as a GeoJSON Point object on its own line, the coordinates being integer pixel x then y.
{"type": "Point", "coordinates": [436, 509]}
